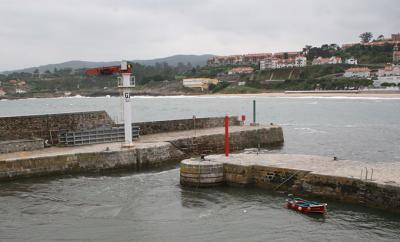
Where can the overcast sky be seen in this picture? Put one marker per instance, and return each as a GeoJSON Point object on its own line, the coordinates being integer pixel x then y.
{"type": "Point", "coordinates": [38, 32]}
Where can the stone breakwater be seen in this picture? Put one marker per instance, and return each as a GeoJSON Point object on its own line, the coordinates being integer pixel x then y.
{"type": "Point", "coordinates": [370, 184]}
{"type": "Point", "coordinates": [149, 151]}
{"type": "Point", "coordinates": [48, 126]}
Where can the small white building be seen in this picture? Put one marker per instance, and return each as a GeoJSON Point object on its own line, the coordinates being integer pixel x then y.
{"type": "Point", "coordinates": [351, 61]}
{"type": "Point", "coordinates": [19, 91]}
{"type": "Point", "coordinates": [201, 83]}
{"type": "Point", "coordinates": [300, 61]}
{"type": "Point", "coordinates": [360, 72]}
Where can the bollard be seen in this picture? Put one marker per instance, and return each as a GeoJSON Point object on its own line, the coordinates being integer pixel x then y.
{"type": "Point", "coordinates": [226, 136]}
{"type": "Point", "coordinates": [243, 119]}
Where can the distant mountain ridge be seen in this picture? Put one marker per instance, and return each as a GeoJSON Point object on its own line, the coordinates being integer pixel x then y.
{"type": "Point", "coordinates": [195, 60]}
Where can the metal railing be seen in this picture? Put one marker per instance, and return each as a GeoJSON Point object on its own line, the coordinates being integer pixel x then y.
{"type": "Point", "coordinates": [132, 82]}
{"type": "Point", "coordinates": [95, 136]}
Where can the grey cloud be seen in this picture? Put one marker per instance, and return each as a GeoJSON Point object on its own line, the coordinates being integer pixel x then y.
{"type": "Point", "coordinates": [46, 31]}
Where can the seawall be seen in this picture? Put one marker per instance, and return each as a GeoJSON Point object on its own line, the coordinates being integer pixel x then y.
{"type": "Point", "coordinates": [48, 126]}
{"type": "Point", "coordinates": [154, 127]}
{"type": "Point", "coordinates": [149, 151]}
{"type": "Point", "coordinates": [342, 180]}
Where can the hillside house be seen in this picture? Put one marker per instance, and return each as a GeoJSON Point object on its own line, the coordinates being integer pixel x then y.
{"type": "Point", "coordinates": [241, 70]}
{"type": "Point", "coordinates": [253, 59]}
{"type": "Point", "coordinates": [395, 39]}
{"type": "Point", "coordinates": [201, 83]}
{"type": "Point", "coordinates": [2, 92]}
{"type": "Point", "coordinates": [327, 61]}
{"type": "Point", "coordinates": [20, 91]}
{"type": "Point", "coordinates": [351, 61]}
{"type": "Point", "coordinates": [396, 54]}
{"type": "Point", "coordinates": [389, 70]}
{"type": "Point", "coordinates": [389, 74]}
{"type": "Point", "coordinates": [358, 72]}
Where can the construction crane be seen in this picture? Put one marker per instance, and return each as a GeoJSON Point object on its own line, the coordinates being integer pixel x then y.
{"type": "Point", "coordinates": [109, 70]}
{"type": "Point", "coordinates": [126, 82]}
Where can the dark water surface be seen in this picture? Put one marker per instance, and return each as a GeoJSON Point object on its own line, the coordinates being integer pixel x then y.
{"type": "Point", "coordinates": [151, 206]}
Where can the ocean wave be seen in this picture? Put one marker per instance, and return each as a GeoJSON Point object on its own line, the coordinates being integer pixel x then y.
{"type": "Point", "coordinates": [311, 130]}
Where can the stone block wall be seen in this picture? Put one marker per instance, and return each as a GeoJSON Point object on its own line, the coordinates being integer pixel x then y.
{"type": "Point", "coordinates": [352, 190]}
{"type": "Point", "coordinates": [184, 124]}
{"type": "Point", "coordinates": [367, 193]}
{"type": "Point", "coordinates": [208, 144]}
{"type": "Point", "coordinates": [20, 145]}
{"type": "Point", "coordinates": [136, 158]}
{"type": "Point", "coordinates": [47, 126]}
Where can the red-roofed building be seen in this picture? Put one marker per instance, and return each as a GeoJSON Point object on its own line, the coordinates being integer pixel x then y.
{"type": "Point", "coordinates": [389, 74]}
{"type": "Point", "coordinates": [288, 55]}
{"type": "Point", "coordinates": [357, 72]}
{"type": "Point", "coordinates": [396, 54]}
{"type": "Point", "coordinates": [255, 58]}
{"type": "Point", "coordinates": [389, 70]}
{"type": "Point", "coordinates": [251, 58]}
{"type": "Point", "coordinates": [395, 39]}
{"type": "Point", "coordinates": [240, 70]}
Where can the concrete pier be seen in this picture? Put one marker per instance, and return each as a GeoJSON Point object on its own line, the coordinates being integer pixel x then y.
{"type": "Point", "coordinates": [373, 184]}
{"type": "Point", "coordinates": [149, 151]}
{"type": "Point", "coordinates": [201, 173]}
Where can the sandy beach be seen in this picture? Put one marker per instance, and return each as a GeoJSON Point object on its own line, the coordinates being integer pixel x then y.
{"type": "Point", "coordinates": [371, 94]}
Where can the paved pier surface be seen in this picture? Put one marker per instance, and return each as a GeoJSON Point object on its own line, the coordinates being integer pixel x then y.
{"type": "Point", "coordinates": [149, 151]}
{"type": "Point", "coordinates": [383, 172]}
{"type": "Point", "coordinates": [144, 141]}
{"type": "Point", "coordinates": [343, 180]}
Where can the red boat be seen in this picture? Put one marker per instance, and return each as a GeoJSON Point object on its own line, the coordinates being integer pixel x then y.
{"type": "Point", "coordinates": [305, 206]}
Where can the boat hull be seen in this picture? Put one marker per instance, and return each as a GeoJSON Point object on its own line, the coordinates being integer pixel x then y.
{"type": "Point", "coordinates": [305, 206]}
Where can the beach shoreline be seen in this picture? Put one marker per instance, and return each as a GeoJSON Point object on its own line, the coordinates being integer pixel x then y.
{"type": "Point", "coordinates": [311, 94]}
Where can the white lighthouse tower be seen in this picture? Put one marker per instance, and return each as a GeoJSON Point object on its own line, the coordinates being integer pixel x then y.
{"type": "Point", "coordinates": [125, 84]}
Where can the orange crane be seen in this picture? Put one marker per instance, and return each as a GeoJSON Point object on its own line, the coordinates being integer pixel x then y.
{"type": "Point", "coordinates": [109, 70]}
{"type": "Point", "coordinates": [125, 83]}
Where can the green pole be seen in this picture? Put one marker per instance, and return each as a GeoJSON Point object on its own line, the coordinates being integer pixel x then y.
{"type": "Point", "coordinates": [254, 111]}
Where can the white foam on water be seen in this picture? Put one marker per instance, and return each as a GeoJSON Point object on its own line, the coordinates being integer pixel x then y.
{"type": "Point", "coordinates": [310, 130]}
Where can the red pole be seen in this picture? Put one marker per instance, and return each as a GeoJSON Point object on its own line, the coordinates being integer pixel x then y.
{"type": "Point", "coordinates": [226, 136]}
